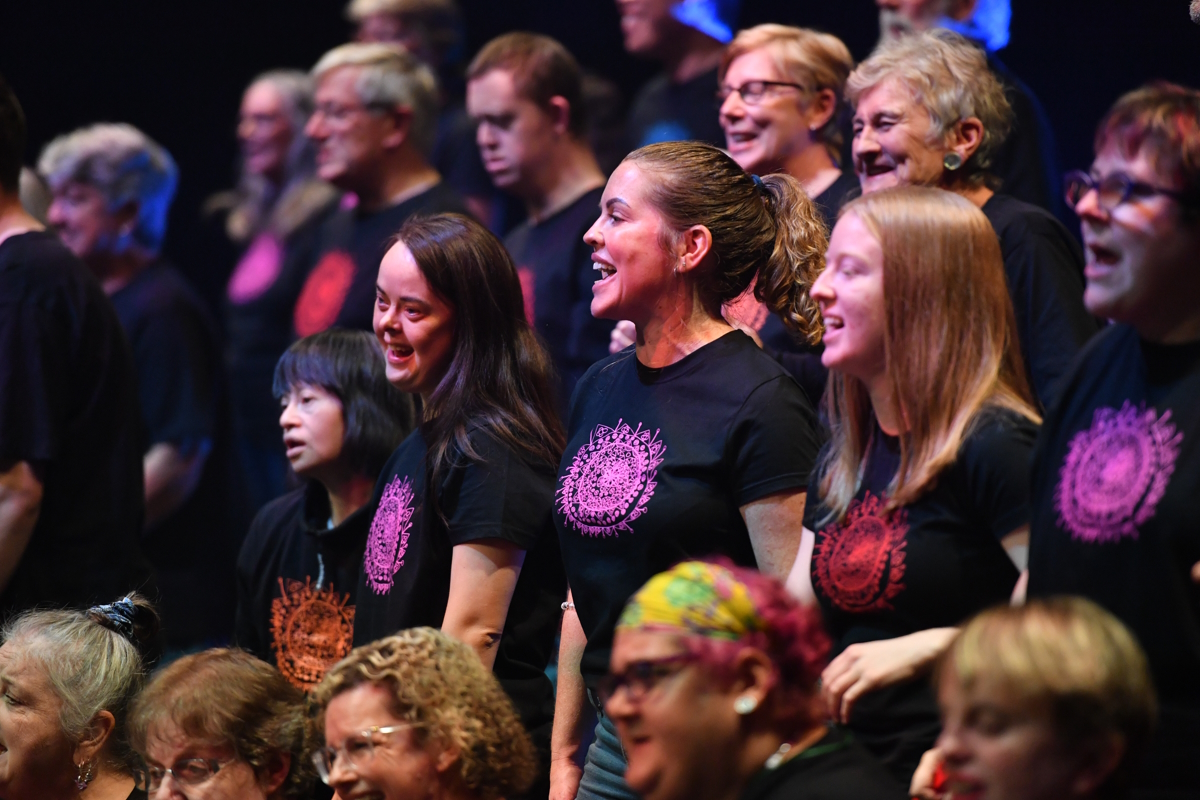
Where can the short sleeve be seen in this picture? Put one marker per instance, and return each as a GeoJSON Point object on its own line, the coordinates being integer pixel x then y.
{"type": "Point", "coordinates": [996, 461]}
{"type": "Point", "coordinates": [773, 441]}
{"type": "Point", "coordinates": [176, 377]}
{"type": "Point", "coordinates": [814, 509]}
{"type": "Point", "coordinates": [497, 497]}
{"type": "Point", "coordinates": [34, 391]}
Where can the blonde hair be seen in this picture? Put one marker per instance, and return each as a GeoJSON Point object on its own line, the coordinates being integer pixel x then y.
{"type": "Point", "coordinates": [815, 60]}
{"type": "Point", "coordinates": [950, 344]}
{"type": "Point", "coordinates": [949, 77]}
{"type": "Point", "coordinates": [391, 77]}
{"type": "Point", "coordinates": [1065, 656]}
{"type": "Point", "coordinates": [439, 685]}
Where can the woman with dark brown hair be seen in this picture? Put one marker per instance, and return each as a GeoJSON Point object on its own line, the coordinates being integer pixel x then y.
{"type": "Point", "coordinates": [693, 442]}
{"type": "Point", "coordinates": [462, 537]}
{"type": "Point", "coordinates": [924, 484]}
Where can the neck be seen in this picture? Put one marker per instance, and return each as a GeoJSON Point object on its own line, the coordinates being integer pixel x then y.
{"type": "Point", "coordinates": [679, 325]}
{"type": "Point", "coordinates": [108, 785]}
{"type": "Point", "coordinates": [759, 747]}
{"type": "Point", "coordinates": [813, 167]}
{"type": "Point", "coordinates": [14, 219]}
{"type": "Point", "coordinates": [690, 53]}
{"type": "Point", "coordinates": [887, 414]}
{"type": "Point", "coordinates": [567, 175]}
{"type": "Point", "coordinates": [1185, 330]}
{"type": "Point", "coordinates": [348, 495]}
{"type": "Point", "coordinates": [115, 270]}
{"type": "Point", "coordinates": [405, 175]}
{"type": "Point", "coordinates": [978, 195]}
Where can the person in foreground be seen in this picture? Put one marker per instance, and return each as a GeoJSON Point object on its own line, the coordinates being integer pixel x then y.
{"type": "Point", "coordinates": [713, 690]}
{"type": "Point", "coordinates": [1117, 471]}
{"type": "Point", "coordinates": [919, 506]}
{"type": "Point", "coordinates": [419, 715]}
{"type": "Point", "coordinates": [67, 679]}
{"type": "Point", "coordinates": [222, 724]}
{"type": "Point", "coordinates": [1047, 701]}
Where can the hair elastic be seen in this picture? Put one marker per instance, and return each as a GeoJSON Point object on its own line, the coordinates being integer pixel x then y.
{"type": "Point", "coordinates": [119, 615]}
{"type": "Point", "coordinates": [758, 184]}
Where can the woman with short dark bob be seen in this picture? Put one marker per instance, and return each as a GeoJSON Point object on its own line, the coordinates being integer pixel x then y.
{"type": "Point", "coordinates": [299, 564]}
{"type": "Point", "coordinates": [693, 442]}
{"type": "Point", "coordinates": [462, 537]}
{"type": "Point", "coordinates": [223, 724]}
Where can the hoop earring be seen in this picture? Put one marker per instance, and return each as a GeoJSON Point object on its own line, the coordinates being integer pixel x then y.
{"type": "Point", "coordinates": [952, 161]}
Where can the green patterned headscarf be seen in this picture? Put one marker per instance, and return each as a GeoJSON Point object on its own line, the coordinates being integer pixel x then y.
{"type": "Point", "coordinates": [694, 598]}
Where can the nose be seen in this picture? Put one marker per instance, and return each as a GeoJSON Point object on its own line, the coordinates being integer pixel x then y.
{"type": "Point", "coordinates": [1088, 208]}
{"type": "Point", "coordinates": [820, 290]}
{"type": "Point", "coordinates": [245, 129]}
{"type": "Point", "coordinates": [315, 127]}
{"type": "Point", "coordinates": [593, 237]}
{"type": "Point", "coordinates": [287, 417]}
{"type": "Point", "coordinates": [485, 137]}
{"type": "Point", "coordinates": [55, 214]}
{"type": "Point", "coordinates": [864, 146]}
{"type": "Point", "coordinates": [732, 107]}
{"type": "Point", "coordinates": [342, 772]}
{"type": "Point", "coordinates": [952, 745]}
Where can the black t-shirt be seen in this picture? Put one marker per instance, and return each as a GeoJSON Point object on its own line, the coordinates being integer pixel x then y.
{"type": "Point", "coordinates": [659, 462]}
{"type": "Point", "coordinates": [405, 577]}
{"type": "Point", "coordinates": [930, 564]}
{"type": "Point", "coordinates": [181, 390]}
{"type": "Point", "coordinates": [834, 768]}
{"type": "Point", "coordinates": [556, 271]}
{"type": "Point", "coordinates": [1026, 161]}
{"type": "Point", "coordinates": [340, 289]}
{"type": "Point", "coordinates": [664, 111]}
{"type": "Point", "coordinates": [296, 581]}
{"type": "Point", "coordinates": [1043, 265]}
{"type": "Point", "coordinates": [69, 407]}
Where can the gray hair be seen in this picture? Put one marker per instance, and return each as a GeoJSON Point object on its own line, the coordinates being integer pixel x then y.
{"type": "Point", "coordinates": [949, 77]}
{"type": "Point", "coordinates": [124, 165]}
{"type": "Point", "coordinates": [391, 77]}
{"type": "Point", "coordinates": [90, 665]}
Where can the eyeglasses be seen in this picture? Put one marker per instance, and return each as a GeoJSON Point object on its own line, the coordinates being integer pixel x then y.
{"type": "Point", "coordinates": [641, 677]}
{"type": "Point", "coordinates": [357, 751]}
{"type": "Point", "coordinates": [1112, 190]}
{"type": "Point", "coordinates": [187, 772]}
{"type": "Point", "coordinates": [753, 92]}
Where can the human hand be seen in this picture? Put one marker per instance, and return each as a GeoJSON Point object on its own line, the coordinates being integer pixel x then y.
{"type": "Point", "coordinates": [564, 778]}
{"type": "Point", "coordinates": [1196, 572]}
{"type": "Point", "coordinates": [928, 781]}
{"type": "Point", "coordinates": [868, 666]}
{"type": "Point", "coordinates": [623, 335]}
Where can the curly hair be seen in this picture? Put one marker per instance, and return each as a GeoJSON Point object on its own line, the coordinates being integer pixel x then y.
{"type": "Point", "coordinates": [439, 685]}
{"type": "Point", "coordinates": [228, 696]}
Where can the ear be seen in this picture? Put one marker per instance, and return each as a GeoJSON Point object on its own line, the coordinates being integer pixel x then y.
{"type": "Point", "coordinates": [694, 244]}
{"type": "Point", "coordinates": [821, 109]}
{"type": "Point", "coordinates": [1097, 764]}
{"type": "Point", "coordinates": [961, 10]}
{"type": "Point", "coordinates": [966, 137]}
{"type": "Point", "coordinates": [401, 118]}
{"type": "Point", "coordinates": [753, 675]}
{"type": "Point", "coordinates": [559, 110]}
{"type": "Point", "coordinates": [127, 217]}
{"type": "Point", "coordinates": [276, 772]}
{"type": "Point", "coordinates": [446, 758]}
{"type": "Point", "coordinates": [94, 738]}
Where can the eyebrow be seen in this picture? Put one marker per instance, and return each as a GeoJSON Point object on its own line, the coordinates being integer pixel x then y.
{"type": "Point", "coordinates": [417, 300]}
{"type": "Point", "coordinates": [608, 204]}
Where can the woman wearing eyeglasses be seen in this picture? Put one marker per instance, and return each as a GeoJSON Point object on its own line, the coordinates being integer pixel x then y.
{"type": "Point", "coordinates": [929, 112]}
{"type": "Point", "coordinates": [1117, 470]}
{"type": "Point", "coordinates": [418, 715]}
{"type": "Point", "coordinates": [713, 692]}
{"type": "Point", "coordinates": [222, 724]}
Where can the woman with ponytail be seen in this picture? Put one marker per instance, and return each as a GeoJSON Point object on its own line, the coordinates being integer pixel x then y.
{"type": "Point", "coordinates": [692, 442]}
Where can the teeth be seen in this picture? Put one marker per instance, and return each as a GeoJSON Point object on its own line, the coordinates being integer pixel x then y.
{"type": "Point", "coordinates": [604, 269]}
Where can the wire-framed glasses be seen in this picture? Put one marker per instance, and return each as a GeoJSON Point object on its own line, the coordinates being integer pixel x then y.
{"type": "Point", "coordinates": [753, 92]}
{"type": "Point", "coordinates": [186, 772]}
{"type": "Point", "coordinates": [356, 751]}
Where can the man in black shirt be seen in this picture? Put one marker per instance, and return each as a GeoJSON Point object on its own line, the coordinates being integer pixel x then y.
{"type": "Point", "coordinates": [374, 123]}
{"type": "Point", "coordinates": [70, 463]}
{"type": "Point", "coordinates": [680, 102]}
{"type": "Point", "coordinates": [525, 94]}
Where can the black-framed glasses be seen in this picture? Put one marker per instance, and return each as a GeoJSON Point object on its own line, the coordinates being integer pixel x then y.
{"type": "Point", "coordinates": [186, 772]}
{"type": "Point", "coordinates": [753, 92]}
{"type": "Point", "coordinates": [356, 751]}
{"type": "Point", "coordinates": [1112, 190]}
{"type": "Point", "coordinates": [640, 677]}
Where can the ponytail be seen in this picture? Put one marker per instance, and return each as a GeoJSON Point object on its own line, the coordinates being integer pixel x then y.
{"type": "Point", "coordinates": [797, 258]}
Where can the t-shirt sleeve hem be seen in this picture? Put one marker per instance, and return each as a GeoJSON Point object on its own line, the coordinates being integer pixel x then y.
{"type": "Point", "coordinates": [474, 533]}
{"type": "Point", "coordinates": [795, 481]}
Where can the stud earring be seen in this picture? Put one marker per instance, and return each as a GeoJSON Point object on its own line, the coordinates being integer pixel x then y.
{"type": "Point", "coordinates": [745, 704]}
{"type": "Point", "coordinates": [952, 161]}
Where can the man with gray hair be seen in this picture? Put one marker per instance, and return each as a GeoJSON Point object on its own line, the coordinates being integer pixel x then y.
{"type": "Point", "coordinates": [374, 124]}
{"type": "Point", "coordinates": [111, 188]}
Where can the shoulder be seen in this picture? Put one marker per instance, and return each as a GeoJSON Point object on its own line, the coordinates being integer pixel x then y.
{"type": "Point", "coordinates": [38, 265]}
{"type": "Point", "coordinates": [1016, 221]}
{"type": "Point", "coordinates": [996, 430]}
{"type": "Point", "coordinates": [441, 198]}
{"type": "Point", "coordinates": [273, 522]}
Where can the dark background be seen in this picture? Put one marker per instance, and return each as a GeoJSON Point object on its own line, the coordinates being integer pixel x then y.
{"type": "Point", "coordinates": [176, 68]}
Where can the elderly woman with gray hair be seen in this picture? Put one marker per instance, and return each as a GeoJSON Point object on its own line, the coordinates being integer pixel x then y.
{"type": "Point", "coordinates": [929, 111]}
{"type": "Point", "coordinates": [68, 679]}
{"type": "Point", "coordinates": [112, 187]}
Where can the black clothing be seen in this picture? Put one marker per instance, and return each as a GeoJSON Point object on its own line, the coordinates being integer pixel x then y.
{"type": "Point", "coordinates": [340, 289]}
{"type": "Point", "coordinates": [1027, 162]}
{"type": "Point", "coordinates": [840, 192]}
{"type": "Point", "coordinates": [456, 156]}
{"type": "Point", "coordinates": [296, 579]}
{"type": "Point", "coordinates": [659, 462]}
{"type": "Point", "coordinates": [182, 395]}
{"type": "Point", "coordinates": [1115, 518]}
{"type": "Point", "coordinates": [1043, 265]}
{"type": "Point", "coordinates": [664, 111]}
{"type": "Point", "coordinates": [834, 768]}
{"type": "Point", "coordinates": [69, 407]}
{"type": "Point", "coordinates": [930, 564]}
{"type": "Point", "coordinates": [556, 271]}
{"type": "Point", "coordinates": [405, 577]}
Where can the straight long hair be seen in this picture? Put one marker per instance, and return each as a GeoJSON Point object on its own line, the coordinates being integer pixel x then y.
{"type": "Point", "coordinates": [500, 380]}
{"type": "Point", "coordinates": [950, 343]}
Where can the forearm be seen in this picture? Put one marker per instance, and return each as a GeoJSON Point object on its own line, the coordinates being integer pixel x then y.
{"type": "Point", "coordinates": [171, 476]}
{"type": "Point", "coordinates": [20, 506]}
{"type": "Point", "coordinates": [571, 698]}
{"type": "Point", "coordinates": [482, 637]}
{"type": "Point", "coordinates": [775, 524]}
{"type": "Point", "coordinates": [483, 577]}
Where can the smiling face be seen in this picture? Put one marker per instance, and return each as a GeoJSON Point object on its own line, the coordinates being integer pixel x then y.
{"type": "Point", "coordinates": [850, 294]}
{"type": "Point", "coordinates": [413, 324]}
{"type": "Point", "coordinates": [892, 140]}
{"type": "Point", "coordinates": [80, 216]}
{"type": "Point", "coordinates": [314, 430]}
{"type": "Point", "coordinates": [627, 239]}
{"type": "Point", "coordinates": [265, 132]}
{"type": "Point", "coordinates": [352, 139]}
{"type": "Point", "coordinates": [34, 752]}
{"type": "Point", "coordinates": [513, 133]}
{"type": "Point", "coordinates": [1140, 255]}
{"type": "Point", "coordinates": [167, 746]}
{"type": "Point", "coordinates": [646, 25]}
{"type": "Point", "coordinates": [399, 767]}
{"type": "Point", "coordinates": [763, 136]}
